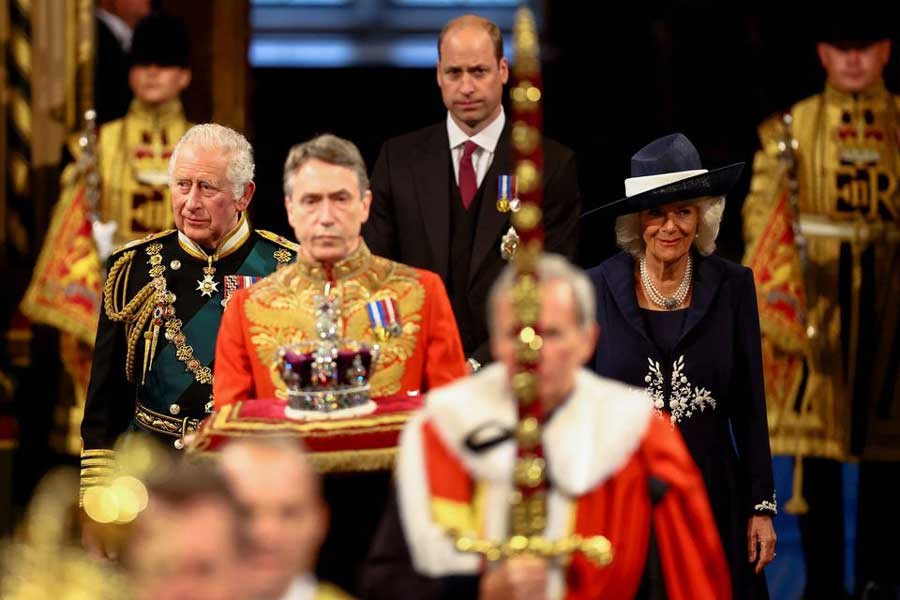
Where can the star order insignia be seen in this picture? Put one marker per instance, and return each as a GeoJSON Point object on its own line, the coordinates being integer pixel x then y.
{"type": "Point", "coordinates": [207, 286]}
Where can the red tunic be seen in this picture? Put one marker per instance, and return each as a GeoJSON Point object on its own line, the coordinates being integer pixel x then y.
{"type": "Point", "coordinates": [611, 496]}
{"type": "Point", "coordinates": [280, 309]}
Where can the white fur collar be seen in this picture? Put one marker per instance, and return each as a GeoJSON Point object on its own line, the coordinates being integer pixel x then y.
{"type": "Point", "coordinates": [590, 437]}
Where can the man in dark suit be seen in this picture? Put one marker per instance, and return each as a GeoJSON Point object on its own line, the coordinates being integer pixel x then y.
{"type": "Point", "coordinates": [115, 21]}
{"type": "Point", "coordinates": [433, 190]}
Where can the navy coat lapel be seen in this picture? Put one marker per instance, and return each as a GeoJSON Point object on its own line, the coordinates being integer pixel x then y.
{"type": "Point", "coordinates": [432, 182]}
{"type": "Point", "coordinates": [708, 275]}
{"type": "Point", "coordinates": [491, 223]}
{"type": "Point", "coordinates": [620, 279]}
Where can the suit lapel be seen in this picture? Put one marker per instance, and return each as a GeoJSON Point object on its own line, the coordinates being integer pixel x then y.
{"type": "Point", "coordinates": [491, 222]}
{"type": "Point", "coordinates": [432, 181]}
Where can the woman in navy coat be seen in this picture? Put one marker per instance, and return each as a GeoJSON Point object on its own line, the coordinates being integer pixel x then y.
{"type": "Point", "coordinates": [682, 323]}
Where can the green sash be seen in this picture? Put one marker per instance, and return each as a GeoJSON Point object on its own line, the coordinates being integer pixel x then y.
{"type": "Point", "coordinates": [169, 377]}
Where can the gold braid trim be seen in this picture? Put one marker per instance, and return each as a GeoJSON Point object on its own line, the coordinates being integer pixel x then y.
{"type": "Point", "coordinates": [353, 461]}
{"type": "Point", "coordinates": [98, 467]}
{"type": "Point", "coordinates": [135, 313]}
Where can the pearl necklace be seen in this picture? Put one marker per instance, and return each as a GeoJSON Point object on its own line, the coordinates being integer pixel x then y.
{"type": "Point", "coordinates": [672, 302]}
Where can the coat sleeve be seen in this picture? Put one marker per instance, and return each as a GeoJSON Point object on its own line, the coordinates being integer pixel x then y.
{"type": "Point", "coordinates": [110, 403]}
{"type": "Point", "coordinates": [562, 205]}
{"type": "Point", "coordinates": [109, 406]}
{"type": "Point", "coordinates": [444, 357]}
{"type": "Point", "coordinates": [233, 377]}
{"type": "Point", "coordinates": [380, 230]}
{"type": "Point", "coordinates": [751, 429]}
{"type": "Point", "coordinates": [693, 561]}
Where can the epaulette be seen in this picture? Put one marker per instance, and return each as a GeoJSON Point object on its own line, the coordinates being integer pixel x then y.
{"type": "Point", "coordinates": [278, 239]}
{"type": "Point", "coordinates": [144, 240]}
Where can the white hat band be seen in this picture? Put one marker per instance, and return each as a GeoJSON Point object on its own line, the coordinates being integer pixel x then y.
{"type": "Point", "coordinates": [638, 185]}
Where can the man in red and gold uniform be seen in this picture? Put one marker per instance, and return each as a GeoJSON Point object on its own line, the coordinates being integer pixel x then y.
{"type": "Point", "coordinates": [614, 470]}
{"type": "Point", "coordinates": [371, 299]}
{"type": "Point", "coordinates": [404, 310]}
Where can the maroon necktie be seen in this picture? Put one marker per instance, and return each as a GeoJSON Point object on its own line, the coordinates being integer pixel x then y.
{"type": "Point", "coordinates": [468, 183]}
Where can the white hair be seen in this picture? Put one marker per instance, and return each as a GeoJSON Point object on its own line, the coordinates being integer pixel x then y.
{"type": "Point", "coordinates": [218, 138]}
{"type": "Point", "coordinates": [629, 235]}
{"type": "Point", "coordinates": [550, 267]}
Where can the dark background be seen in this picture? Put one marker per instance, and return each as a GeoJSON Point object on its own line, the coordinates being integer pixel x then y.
{"type": "Point", "coordinates": [612, 83]}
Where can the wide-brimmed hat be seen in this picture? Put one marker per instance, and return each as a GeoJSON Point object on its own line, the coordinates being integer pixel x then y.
{"type": "Point", "coordinates": [666, 170]}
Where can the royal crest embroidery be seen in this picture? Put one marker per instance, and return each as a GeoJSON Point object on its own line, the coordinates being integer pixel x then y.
{"type": "Point", "coordinates": [281, 311]}
{"type": "Point", "coordinates": [282, 256]}
{"type": "Point", "coordinates": [684, 400]}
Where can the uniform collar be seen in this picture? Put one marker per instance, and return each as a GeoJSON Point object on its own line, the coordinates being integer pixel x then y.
{"type": "Point", "coordinates": [227, 245]}
{"type": "Point", "coordinates": [162, 113]}
{"type": "Point", "coordinates": [303, 587]}
{"type": "Point", "coordinates": [350, 266]}
{"type": "Point", "coordinates": [873, 92]}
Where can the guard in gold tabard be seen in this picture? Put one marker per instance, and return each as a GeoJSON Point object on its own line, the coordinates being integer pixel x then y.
{"type": "Point", "coordinates": [822, 225]}
{"type": "Point", "coordinates": [134, 151]}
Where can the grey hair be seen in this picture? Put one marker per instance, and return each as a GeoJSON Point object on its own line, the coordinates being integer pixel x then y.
{"type": "Point", "coordinates": [628, 227]}
{"type": "Point", "coordinates": [329, 149]}
{"type": "Point", "coordinates": [550, 267]}
{"type": "Point", "coordinates": [221, 139]}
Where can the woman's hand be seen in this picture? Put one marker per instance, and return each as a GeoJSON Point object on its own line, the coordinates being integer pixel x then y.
{"type": "Point", "coordinates": [760, 541]}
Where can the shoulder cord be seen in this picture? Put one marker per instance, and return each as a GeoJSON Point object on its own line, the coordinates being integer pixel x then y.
{"type": "Point", "coordinates": [135, 313]}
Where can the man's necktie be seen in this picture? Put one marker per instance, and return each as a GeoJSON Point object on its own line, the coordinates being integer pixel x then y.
{"type": "Point", "coordinates": [468, 182]}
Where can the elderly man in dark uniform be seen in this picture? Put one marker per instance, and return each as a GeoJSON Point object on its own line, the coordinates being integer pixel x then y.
{"type": "Point", "coordinates": [164, 296]}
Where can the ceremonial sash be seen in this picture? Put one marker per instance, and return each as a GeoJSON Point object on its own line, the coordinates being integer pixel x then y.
{"type": "Point", "coordinates": [168, 379]}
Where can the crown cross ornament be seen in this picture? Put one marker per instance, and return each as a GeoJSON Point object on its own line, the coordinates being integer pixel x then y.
{"type": "Point", "coordinates": [327, 377]}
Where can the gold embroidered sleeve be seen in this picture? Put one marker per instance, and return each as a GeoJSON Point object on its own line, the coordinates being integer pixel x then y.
{"type": "Point", "coordinates": [98, 468]}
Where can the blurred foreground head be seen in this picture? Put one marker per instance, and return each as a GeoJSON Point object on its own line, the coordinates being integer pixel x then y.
{"type": "Point", "coordinates": [187, 543]}
{"type": "Point", "coordinates": [284, 517]}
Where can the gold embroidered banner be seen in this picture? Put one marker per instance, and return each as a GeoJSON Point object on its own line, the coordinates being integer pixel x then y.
{"type": "Point", "coordinates": [66, 286]}
{"type": "Point", "coordinates": [782, 305]}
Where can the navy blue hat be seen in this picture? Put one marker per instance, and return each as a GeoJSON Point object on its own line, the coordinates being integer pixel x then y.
{"type": "Point", "coordinates": [666, 170]}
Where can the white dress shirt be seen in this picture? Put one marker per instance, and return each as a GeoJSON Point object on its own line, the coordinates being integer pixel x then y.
{"type": "Point", "coordinates": [118, 27]}
{"type": "Point", "coordinates": [486, 139]}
